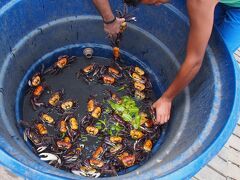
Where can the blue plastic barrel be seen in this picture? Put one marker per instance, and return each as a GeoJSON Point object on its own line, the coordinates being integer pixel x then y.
{"type": "Point", "coordinates": [203, 116]}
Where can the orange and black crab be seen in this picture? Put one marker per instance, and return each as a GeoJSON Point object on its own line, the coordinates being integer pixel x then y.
{"type": "Point", "coordinates": [67, 107]}
{"type": "Point", "coordinates": [61, 63]}
{"type": "Point", "coordinates": [36, 93]}
{"type": "Point", "coordinates": [37, 78]}
{"type": "Point", "coordinates": [89, 72]}
{"type": "Point", "coordinates": [55, 98]}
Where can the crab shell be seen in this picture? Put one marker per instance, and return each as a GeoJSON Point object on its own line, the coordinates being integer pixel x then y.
{"type": "Point", "coordinates": [73, 123]}
{"type": "Point", "coordinates": [47, 118]}
{"type": "Point", "coordinates": [67, 105]}
{"type": "Point", "coordinates": [62, 144]}
{"type": "Point", "coordinates": [90, 105]}
{"type": "Point", "coordinates": [36, 80]}
{"type": "Point", "coordinates": [63, 126]}
{"type": "Point", "coordinates": [129, 160]}
{"type": "Point", "coordinates": [62, 62]}
{"type": "Point", "coordinates": [96, 163]}
{"type": "Point", "coordinates": [149, 123]}
{"type": "Point", "coordinates": [116, 52]}
{"type": "Point", "coordinates": [54, 99]}
{"type": "Point", "coordinates": [139, 86]}
{"type": "Point", "coordinates": [88, 69]}
{"type": "Point", "coordinates": [98, 152]}
{"type": "Point", "coordinates": [148, 145]}
{"type": "Point", "coordinates": [116, 148]}
{"type": "Point", "coordinates": [116, 139]}
{"type": "Point", "coordinates": [143, 118]}
{"type": "Point", "coordinates": [92, 130]}
{"type": "Point", "coordinates": [108, 80]}
{"type": "Point", "coordinates": [41, 129]}
{"type": "Point", "coordinates": [136, 77]}
{"type": "Point", "coordinates": [113, 71]}
{"type": "Point", "coordinates": [139, 71]}
{"type": "Point", "coordinates": [38, 91]}
{"type": "Point", "coordinates": [136, 134]}
{"type": "Point", "coordinates": [96, 112]}
{"type": "Point", "coordinates": [116, 98]}
{"type": "Point", "coordinates": [139, 95]}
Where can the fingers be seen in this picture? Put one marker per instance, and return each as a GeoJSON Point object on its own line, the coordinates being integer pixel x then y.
{"type": "Point", "coordinates": [162, 117]}
{"type": "Point", "coordinates": [121, 20]}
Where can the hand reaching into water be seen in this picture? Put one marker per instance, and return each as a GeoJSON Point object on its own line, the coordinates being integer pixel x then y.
{"type": "Point", "coordinates": [163, 109]}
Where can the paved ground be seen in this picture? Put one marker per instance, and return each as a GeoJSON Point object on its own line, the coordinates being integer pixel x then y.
{"type": "Point", "coordinates": [226, 165]}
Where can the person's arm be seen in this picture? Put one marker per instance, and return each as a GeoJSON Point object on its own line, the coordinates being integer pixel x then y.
{"type": "Point", "coordinates": [201, 13]}
{"type": "Point", "coordinates": [105, 10]}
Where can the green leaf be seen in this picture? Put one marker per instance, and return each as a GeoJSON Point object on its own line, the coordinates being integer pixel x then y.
{"type": "Point", "coordinates": [63, 135]}
{"type": "Point", "coordinates": [127, 117]}
{"type": "Point", "coordinates": [133, 110]}
{"type": "Point", "coordinates": [137, 121]}
{"type": "Point", "coordinates": [121, 88]}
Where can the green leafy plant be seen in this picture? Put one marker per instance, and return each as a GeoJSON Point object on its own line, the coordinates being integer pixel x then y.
{"type": "Point", "coordinates": [128, 110]}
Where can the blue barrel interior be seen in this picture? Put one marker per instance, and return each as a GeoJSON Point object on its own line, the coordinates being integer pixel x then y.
{"type": "Point", "coordinates": [203, 116]}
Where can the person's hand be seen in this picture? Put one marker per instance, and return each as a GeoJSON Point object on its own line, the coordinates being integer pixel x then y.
{"type": "Point", "coordinates": [113, 29]}
{"type": "Point", "coordinates": [163, 109]}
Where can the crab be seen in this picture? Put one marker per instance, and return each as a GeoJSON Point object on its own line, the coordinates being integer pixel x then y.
{"type": "Point", "coordinates": [67, 106]}
{"type": "Point", "coordinates": [128, 18]}
{"type": "Point", "coordinates": [98, 153]}
{"type": "Point", "coordinates": [37, 79]}
{"type": "Point", "coordinates": [116, 139]}
{"type": "Point", "coordinates": [92, 104]}
{"type": "Point", "coordinates": [127, 159]}
{"type": "Point", "coordinates": [73, 154]}
{"type": "Point", "coordinates": [139, 95]}
{"type": "Point", "coordinates": [41, 129]}
{"type": "Point", "coordinates": [109, 80]}
{"type": "Point", "coordinates": [36, 94]}
{"type": "Point", "coordinates": [86, 171]}
{"type": "Point", "coordinates": [61, 63]}
{"type": "Point", "coordinates": [40, 141]}
{"type": "Point", "coordinates": [136, 134]}
{"type": "Point", "coordinates": [114, 72]}
{"type": "Point", "coordinates": [46, 118]}
{"type": "Point", "coordinates": [96, 163]}
{"type": "Point", "coordinates": [92, 130]}
{"type": "Point", "coordinates": [63, 126]}
{"type": "Point", "coordinates": [116, 148]}
{"type": "Point", "coordinates": [113, 96]}
{"type": "Point", "coordinates": [139, 86]}
{"type": "Point", "coordinates": [148, 145]}
{"type": "Point", "coordinates": [55, 98]}
{"type": "Point", "coordinates": [89, 72]}
{"type": "Point", "coordinates": [64, 144]}
{"type": "Point", "coordinates": [53, 159]}
{"type": "Point", "coordinates": [96, 113]}
{"type": "Point", "coordinates": [73, 129]}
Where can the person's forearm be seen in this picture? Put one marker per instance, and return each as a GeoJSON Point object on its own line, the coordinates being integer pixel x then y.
{"type": "Point", "coordinates": [104, 9]}
{"type": "Point", "coordinates": [201, 21]}
{"type": "Point", "coordinates": [185, 75]}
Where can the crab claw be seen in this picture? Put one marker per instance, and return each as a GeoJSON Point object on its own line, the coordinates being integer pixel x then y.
{"type": "Point", "coordinates": [48, 157]}
{"type": "Point", "coordinates": [81, 173]}
{"type": "Point", "coordinates": [71, 159]}
{"type": "Point", "coordinates": [41, 149]}
{"type": "Point", "coordinates": [133, 19]}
